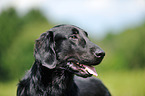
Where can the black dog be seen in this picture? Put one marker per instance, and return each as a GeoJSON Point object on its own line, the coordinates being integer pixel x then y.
{"type": "Point", "coordinates": [61, 53]}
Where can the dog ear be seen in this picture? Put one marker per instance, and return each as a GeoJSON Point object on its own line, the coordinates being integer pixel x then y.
{"type": "Point", "coordinates": [44, 50]}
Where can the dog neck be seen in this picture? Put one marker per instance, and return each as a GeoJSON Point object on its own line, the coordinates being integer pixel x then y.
{"type": "Point", "coordinates": [56, 82]}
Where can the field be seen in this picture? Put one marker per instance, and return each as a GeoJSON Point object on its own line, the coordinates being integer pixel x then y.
{"type": "Point", "coordinates": [120, 83]}
{"type": "Point", "coordinates": [125, 83]}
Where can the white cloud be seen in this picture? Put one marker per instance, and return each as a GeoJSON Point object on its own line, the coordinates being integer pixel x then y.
{"type": "Point", "coordinates": [4, 4]}
{"type": "Point", "coordinates": [23, 6]}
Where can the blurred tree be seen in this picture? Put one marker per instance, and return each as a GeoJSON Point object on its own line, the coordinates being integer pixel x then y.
{"type": "Point", "coordinates": [34, 16]}
{"type": "Point", "coordinates": [10, 24]}
{"type": "Point", "coordinates": [136, 51]}
{"type": "Point", "coordinates": [125, 50]}
{"type": "Point", "coordinates": [17, 36]}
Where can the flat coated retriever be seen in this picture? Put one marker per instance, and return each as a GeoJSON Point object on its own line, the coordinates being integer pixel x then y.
{"type": "Point", "coordinates": [60, 53]}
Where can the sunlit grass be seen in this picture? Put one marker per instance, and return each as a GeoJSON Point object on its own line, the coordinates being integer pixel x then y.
{"type": "Point", "coordinates": [125, 83]}
{"type": "Point", "coordinates": [120, 83]}
{"type": "Point", "coordinates": [8, 89]}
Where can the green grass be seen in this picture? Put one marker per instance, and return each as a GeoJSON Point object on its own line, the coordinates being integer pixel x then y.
{"type": "Point", "coordinates": [120, 83]}
{"type": "Point", "coordinates": [8, 89]}
{"type": "Point", "coordinates": [125, 83]}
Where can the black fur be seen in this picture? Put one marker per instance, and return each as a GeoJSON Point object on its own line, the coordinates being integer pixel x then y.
{"type": "Point", "coordinates": [59, 55]}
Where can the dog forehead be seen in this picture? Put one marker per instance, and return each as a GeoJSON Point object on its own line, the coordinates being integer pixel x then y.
{"type": "Point", "coordinates": [67, 29]}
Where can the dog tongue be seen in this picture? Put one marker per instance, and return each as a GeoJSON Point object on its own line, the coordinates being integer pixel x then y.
{"type": "Point", "coordinates": [91, 70]}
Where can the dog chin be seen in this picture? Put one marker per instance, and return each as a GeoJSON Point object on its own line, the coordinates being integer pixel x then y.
{"type": "Point", "coordinates": [84, 75]}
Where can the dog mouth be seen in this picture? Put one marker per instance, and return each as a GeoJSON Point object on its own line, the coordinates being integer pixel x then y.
{"type": "Point", "coordinates": [82, 69]}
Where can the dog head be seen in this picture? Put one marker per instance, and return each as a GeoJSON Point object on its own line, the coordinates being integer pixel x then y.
{"type": "Point", "coordinates": [67, 47]}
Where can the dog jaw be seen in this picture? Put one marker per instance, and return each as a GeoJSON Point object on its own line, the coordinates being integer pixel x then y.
{"type": "Point", "coordinates": [82, 69]}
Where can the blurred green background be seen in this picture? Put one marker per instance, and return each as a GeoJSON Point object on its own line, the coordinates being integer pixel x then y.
{"type": "Point", "coordinates": [122, 70]}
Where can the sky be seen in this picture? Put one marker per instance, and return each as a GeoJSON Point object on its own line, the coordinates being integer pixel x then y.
{"type": "Point", "coordinates": [97, 17]}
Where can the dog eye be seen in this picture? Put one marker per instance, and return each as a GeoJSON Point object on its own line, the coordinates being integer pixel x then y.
{"type": "Point", "coordinates": [74, 37]}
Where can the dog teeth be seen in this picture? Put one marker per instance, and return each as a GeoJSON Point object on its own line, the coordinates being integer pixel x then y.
{"type": "Point", "coordinates": [81, 65]}
{"type": "Point", "coordinates": [76, 64]}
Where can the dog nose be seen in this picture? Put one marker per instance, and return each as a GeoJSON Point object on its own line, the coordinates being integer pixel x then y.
{"type": "Point", "coordinates": [99, 54]}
